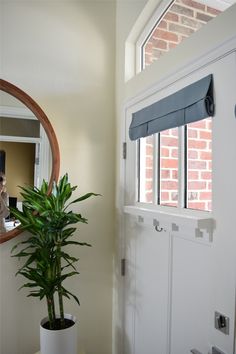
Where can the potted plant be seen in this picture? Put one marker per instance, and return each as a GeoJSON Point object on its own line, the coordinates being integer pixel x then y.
{"type": "Point", "coordinates": [47, 261]}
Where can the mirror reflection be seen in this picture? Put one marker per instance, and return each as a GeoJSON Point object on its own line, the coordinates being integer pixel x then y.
{"type": "Point", "coordinates": [25, 156]}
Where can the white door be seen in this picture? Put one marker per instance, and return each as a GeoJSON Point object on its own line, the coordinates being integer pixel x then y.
{"type": "Point", "coordinates": [181, 264]}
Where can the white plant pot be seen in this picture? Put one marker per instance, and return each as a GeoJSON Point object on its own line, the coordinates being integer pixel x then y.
{"type": "Point", "coordinates": [62, 341]}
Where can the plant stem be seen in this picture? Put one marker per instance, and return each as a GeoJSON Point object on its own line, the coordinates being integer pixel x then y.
{"type": "Point", "coordinates": [60, 295]}
{"type": "Point", "coordinates": [51, 311]}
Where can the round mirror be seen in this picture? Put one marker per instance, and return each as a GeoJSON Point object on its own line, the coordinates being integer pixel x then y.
{"type": "Point", "coordinates": [29, 150]}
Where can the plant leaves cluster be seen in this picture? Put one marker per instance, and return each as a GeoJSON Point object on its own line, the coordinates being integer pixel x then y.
{"type": "Point", "coordinates": [51, 223]}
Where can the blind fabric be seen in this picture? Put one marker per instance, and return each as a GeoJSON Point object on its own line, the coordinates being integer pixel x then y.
{"type": "Point", "coordinates": [190, 104]}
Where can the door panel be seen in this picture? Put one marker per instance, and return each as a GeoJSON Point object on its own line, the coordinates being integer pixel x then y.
{"type": "Point", "coordinates": [190, 296]}
{"type": "Point", "coordinates": [146, 284]}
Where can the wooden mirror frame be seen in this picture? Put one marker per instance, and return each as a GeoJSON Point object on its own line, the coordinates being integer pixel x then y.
{"type": "Point", "coordinates": [43, 119]}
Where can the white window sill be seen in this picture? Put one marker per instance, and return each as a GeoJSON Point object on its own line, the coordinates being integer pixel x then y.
{"type": "Point", "coordinates": [201, 224]}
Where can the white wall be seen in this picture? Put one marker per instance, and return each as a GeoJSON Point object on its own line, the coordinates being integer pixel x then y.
{"type": "Point", "coordinates": [62, 53]}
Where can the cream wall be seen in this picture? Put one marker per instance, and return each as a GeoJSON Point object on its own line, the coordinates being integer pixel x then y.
{"type": "Point", "coordinates": [62, 53]}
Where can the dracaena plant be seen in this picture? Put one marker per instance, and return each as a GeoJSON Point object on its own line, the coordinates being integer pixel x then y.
{"type": "Point", "coordinates": [47, 261]}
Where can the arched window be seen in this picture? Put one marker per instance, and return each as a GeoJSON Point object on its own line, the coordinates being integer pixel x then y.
{"type": "Point", "coordinates": [175, 21]}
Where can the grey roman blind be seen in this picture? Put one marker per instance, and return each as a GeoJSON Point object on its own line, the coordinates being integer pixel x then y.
{"type": "Point", "coordinates": [190, 104]}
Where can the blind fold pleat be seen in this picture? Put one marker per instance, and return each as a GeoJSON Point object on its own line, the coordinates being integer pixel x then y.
{"type": "Point", "coordinates": [190, 104]}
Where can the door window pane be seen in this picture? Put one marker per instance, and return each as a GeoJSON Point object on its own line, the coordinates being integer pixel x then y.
{"type": "Point", "coordinates": [146, 169]}
{"type": "Point", "coordinates": [169, 142]}
{"type": "Point", "coordinates": [199, 165]}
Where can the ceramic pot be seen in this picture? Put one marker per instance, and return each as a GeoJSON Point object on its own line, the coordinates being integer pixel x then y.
{"type": "Point", "coordinates": [63, 341]}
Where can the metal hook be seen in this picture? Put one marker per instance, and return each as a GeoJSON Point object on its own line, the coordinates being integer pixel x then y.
{"type": "Point", "coordinates": [158, 228]}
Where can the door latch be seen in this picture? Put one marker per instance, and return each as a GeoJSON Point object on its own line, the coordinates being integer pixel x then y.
{"type": "Point", "coordinates": [222, 322]}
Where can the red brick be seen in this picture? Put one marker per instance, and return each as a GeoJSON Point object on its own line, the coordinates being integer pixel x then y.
{"type": "Point", "coordinates": [165, 152]}
{"type": "Point", "coordinates": [205, 196]}
{"type": "Point", "coordinates": [174, 152]}
{"type": "Point", "coordinates": [165, 173]}
{"type": "Point", "coordinates": [194, 24]}
{"type": "Point", "coordinates": [171, 141]}
{"type": "Point", "coordinates": [204, 134]}
{"type": "Point", "coordinates": [192, 133]}
{"type": "Point", "coordinates": [205, 155]}
{"type": "Point", "coordinates": [169, 163]}
{"type": "Point", "coordinates": [201, 124]}
{"type": "Point", "coordinates": [148, 47]}
{"type": "Point", "coordinates": [148, 185]}
{"type": "Point", "coordinates": [149, 173]}
{"type": "Point", "coordinates": [206, 175]}
{"type": "Point", "coordinates": [181, 10]}
{"type": "Point", "coordinates": [209, 206]}
{"type": "Point", "coordinates": [194, 4]}
{"type": "Point", "coordinates": [209, 123]}
{"type": "Point", "coordinates": [157, 53]}
{"type": "Point", "coordinates": [165, 196]}
{"type": "Point", "coordinates": [192, 196]}
{"type": "Point", "coordinates": [162, 24]}
{"type": "Point", "coordinates": [196, 185]}
{"type": "Point", "coordinates": [203, 17]}
{"type": "Point", "coordinates": [192, 154]}
{"type": "Point", "coordinates": [170, 16]}
{"type": "Point", "coordinates": [159, 44]}
{"type": "Point", "coordinates": [172, 45]}
{"type": "Point", "coordinates": [169, 36]}
{"type": "Point", "coordinates": [149, 162]}
{"type": "Point", "coordinates": [165, 132]}
{"type": "Point", "coordinates": [175, 174]}
{"type": "Point", "coordinates": [149, 149]}
{"type": "Point", "coordinates": [169, 185]}
{"type": "Point", "coordinates": [213, 11]}
{"type": "Point", "coordinates": [174, 132]}
{"type": "Point", "coordinates": [186, 31]}
{"type": "Point", "coordinates": [196, 144]}
{"type": "Point", "coordinates": [196, 165]}
{"type": "Point", "coordinates": [193, 175]}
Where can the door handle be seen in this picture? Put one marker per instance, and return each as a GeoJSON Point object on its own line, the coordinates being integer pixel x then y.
{"type": "Point", "coordinates": [195, 351]}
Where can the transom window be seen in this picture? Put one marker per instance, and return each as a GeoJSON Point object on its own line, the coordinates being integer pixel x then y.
{"type": "Point", "coordinates": [178, 21]}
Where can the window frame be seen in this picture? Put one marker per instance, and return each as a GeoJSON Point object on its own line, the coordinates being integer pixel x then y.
{"type": "Point", "coordinates": [156, 17]}
{"type": "Point", "coordinates": [156, 179]}
{"type": "Point", "coordinates": [160, 11]}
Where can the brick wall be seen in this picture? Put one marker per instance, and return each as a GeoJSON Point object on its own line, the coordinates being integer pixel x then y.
{"type": "Point", "coordinates": [183, 18]}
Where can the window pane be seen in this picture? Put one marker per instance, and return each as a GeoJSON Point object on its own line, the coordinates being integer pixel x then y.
{"type": "Point", "coordinates": [169, 141]}
{"type": "Point", "coordinates": [146, 169]}
{"type": "Point", "coordinates": [180, 21]}
{"type": "Point", "coordinates": [199, 165]}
